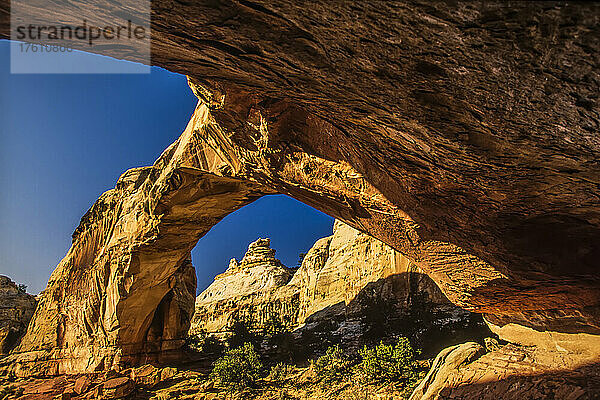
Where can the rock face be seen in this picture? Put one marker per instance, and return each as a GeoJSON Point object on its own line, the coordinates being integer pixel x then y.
{"type": "Point", "coordinates": [342, 268]}
{"type": "Point", "coordinates": [446, 363]}
{"type": "Point", "coordinates": [461, 135]}
{"type": "Point", "coordinates": [533, 365]}
{"type": "Point", "coordinates": [538, 367]}
{"type": "Point", "coordinates": [16, 309]}
{"type": "Point", "coordinates": [341, 279]}
{"type": "Point", "coordinates": [249, 286]}
{"type": "Point", "coordinates": [124, 293]}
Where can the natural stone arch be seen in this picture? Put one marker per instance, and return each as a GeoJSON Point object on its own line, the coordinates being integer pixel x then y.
{"type": "Point", "coordinates": [460, 146]}
{"type": "Point", "coordinates": [124, 293]}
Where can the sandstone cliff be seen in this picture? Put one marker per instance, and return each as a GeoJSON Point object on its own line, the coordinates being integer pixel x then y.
{"type": "Point", "coordinates": [16, 310]}
{"type": "Point", "coordinates": [248, 287]}
{"type": "Point", "coordinates": [341, 280]}
{"type": "Point", "coordinates": [357, 266]}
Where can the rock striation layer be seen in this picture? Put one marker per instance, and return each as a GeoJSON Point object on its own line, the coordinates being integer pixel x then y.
{"type": "Point", "coordinates": [16, 310]}
{"type": "Point", "coordinates": [515, 371]}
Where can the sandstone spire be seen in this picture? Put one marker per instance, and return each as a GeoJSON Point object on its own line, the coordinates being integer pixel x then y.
{"type": "Point", "coordinates": [259, 252]}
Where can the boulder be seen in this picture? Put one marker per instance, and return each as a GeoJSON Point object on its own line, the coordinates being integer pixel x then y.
{"type": "Point", "coordinates": [447, 363]}
{"type": "Point", "coordinates": [167, 373]}
{"type": "Point", "coordinates": [146, 375]}
{"type": "Point", "coordinates": [82, 384]}
{"type": "Point", "coordinates": [117, 388]}
{"type": "Point", "coordinates": [533, 365]}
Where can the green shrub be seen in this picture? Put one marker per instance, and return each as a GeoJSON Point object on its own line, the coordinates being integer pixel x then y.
{"type": "Point", "coordinates": [333, 365]}
{"type": "Point", "coordinates": [279, 372]}
{"type": "Point", "coordinates": [238, 368]}
{"type": "Point", "coordinates": [389, 363]}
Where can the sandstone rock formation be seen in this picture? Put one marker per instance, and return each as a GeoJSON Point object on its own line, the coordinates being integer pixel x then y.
{"type": "Point", "coordinates": [462, 135]}
{"type": "Point", "coordinates": [341, 279]}
{"type": "Point", "coordinates": [446, 363]}
{"type": "Point", "coordinates": [517, 371]}
{"type": "Point", "coordinates": [342, 268]}
{"type": "Point", "coordinates": [249, 286]}
{"type": "Point", "coordinates": [258, 271]}
{"type": "Point", "coordinates": [114, 300]}
{"type": "Point", "coordinates": [532, 365]}
{"type": "Point", "coordinates": [16, 309]}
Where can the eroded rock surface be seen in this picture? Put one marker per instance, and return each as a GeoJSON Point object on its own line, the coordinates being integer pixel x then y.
{"type": "Point", "coordinates": [258, 272]}
{"type": "Point", "coordinates": [448, 362]}
{"type": "Point", "coordinates": [16, 310]}
{"type": "Point", "coordinates": [533, 365]}
{"type": "Point", "coordinates": [466, 124]}
{"type": "Point", "coordinates": [250, 286]}
{"type": "Point", "coordinates": [353, 269]}
{"type": "Point", "coordinates": [124, 293]}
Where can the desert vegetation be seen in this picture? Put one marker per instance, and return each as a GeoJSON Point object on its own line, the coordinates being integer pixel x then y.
{"type": "Point", "coordinates": [394, 366]}
{"type": "Point", "coordinates": [238, 368]}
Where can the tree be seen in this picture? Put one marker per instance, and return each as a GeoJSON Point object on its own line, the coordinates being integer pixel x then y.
{"type": "Point", "coordinates": [389, 363]}
{"type": "Point", "coordinates": [332, 365]}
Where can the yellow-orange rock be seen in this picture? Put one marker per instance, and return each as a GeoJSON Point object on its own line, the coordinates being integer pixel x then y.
{"type": "Point", "coordinates": [534, 365]}
{"type": "Point", "coordinates": [340, 276]}
{"type": "Point", "coordinates": [16, 309]}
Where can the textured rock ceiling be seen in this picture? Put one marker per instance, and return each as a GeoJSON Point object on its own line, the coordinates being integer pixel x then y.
{"type": "Point", "coordinates": [463, 135]}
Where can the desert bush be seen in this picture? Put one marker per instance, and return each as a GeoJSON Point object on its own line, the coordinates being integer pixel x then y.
{"type": "Point", "coordinates": [239, 368]}
{"type": "Point", "coordinates": [332, 365]}
{"type": "Point", "coordinates": [389, 362]}
{"type": "Point", "coordinates": [280, 371]}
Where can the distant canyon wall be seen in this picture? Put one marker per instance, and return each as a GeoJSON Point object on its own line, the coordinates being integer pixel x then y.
{"type": "Point", "coordinates": [342, 275]}
{"type": "Point", "coordinates": [16, 309]}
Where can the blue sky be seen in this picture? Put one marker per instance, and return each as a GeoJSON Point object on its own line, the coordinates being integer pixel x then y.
{"type": "Point", "coordinates": [66, 138]}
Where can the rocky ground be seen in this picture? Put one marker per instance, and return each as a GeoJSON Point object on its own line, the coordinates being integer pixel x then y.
{"type": "Point", "coordinates": [467, 371]}
{"type": "Point", "coordinates": [148, 382]}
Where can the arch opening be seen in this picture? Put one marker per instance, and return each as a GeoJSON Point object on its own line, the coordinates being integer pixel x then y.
{"type": "Point", "coordinates": [291, 226]}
